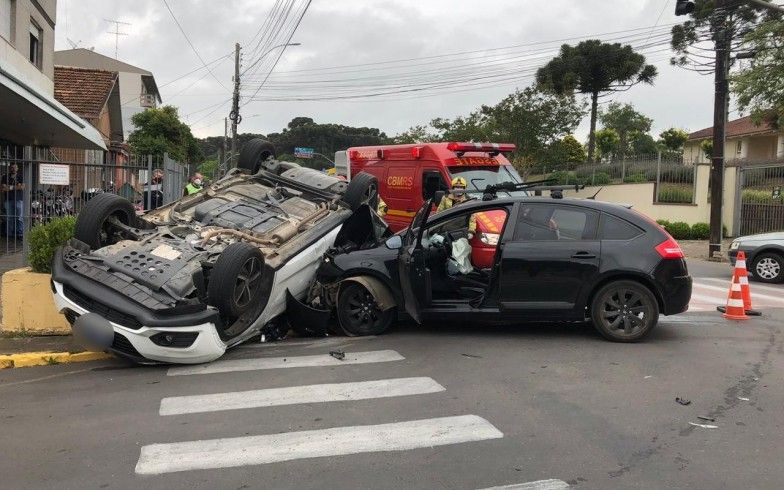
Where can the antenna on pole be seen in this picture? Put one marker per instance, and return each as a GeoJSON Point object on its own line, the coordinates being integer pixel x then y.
{"type": "Point", "coordinates": [117, 33]}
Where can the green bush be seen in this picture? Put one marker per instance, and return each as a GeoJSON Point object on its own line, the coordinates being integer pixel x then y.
{"type": "Point", "coordinates": [676, 195]}
{"type": "Point", "coordinates": [562, 177]}
{"type": "Point", "coordinates": [44, 240]}
{"type": "Point", "coordinates": [754, 196]}
{"type": "Point", "coordinates": [700, 231]}
{"type": "Point", "coordinates": [602, 178]}
{"type": "Point", "coordinates": [663, 223]}
{"type": "Point", "coordinates": [635, 178]}
{"type": "Point", "coordinates": [679, 230]}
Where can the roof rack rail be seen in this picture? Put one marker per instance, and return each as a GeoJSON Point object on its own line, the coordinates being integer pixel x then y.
{"type": "Point", "coordinates": [536, 186]}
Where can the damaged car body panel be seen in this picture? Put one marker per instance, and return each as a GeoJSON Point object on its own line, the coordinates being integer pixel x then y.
{"type": "Point", "coordinates": [188, 280]}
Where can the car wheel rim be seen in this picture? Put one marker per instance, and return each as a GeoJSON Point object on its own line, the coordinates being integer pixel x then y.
{"type": "Point", "coordinates": [363, 311]}
{"type": "Point", "coordinates": [768, 268]}
{"type": "Point", "coordinates": [247, 282]}
{"type": "Point", "coordinates": [625, 311]}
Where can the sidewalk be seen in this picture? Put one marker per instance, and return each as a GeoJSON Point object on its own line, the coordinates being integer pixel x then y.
{"type": "Point", "coordinates": [40, 351]}
{"type": "Point", "coordinates": [698, 249]}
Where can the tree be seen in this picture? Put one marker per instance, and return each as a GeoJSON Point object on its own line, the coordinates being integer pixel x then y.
{"type": "Point", "coordinates": [159, 131]}
{"type": "Point", "coordinates": [642, 144]}
{"type": "Point", "coordinates": [760, 87]}
{"type": "Point", "coordinates": [625, 121]}
{"type": "Point", "coordinates": [607, 142]}
{"type": "Point", "coordinates": [564, 154]}
{"type": "Point", "coordinates": [415, 134]}
{"type": "Point", "coordinates": [593, 67]}
{"type": "Point", "coordinates": [707, 147]}
{"type": "Point", "coordinates": [673, 138]}
{"type": "Point", "coordinates": [208, 168]}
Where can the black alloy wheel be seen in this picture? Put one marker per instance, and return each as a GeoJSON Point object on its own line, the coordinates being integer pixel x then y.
{"type": "Point", "coordinates": [359, 314]}
{"type": "Point", "coordinates": [624, 311]}
{"type": "Point", "coordinates": [247, 282]}
{"type": "Point", "coordinates": [236, 280]}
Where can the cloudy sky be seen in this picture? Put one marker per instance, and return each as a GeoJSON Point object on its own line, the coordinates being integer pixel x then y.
{"type": "Point", "coordinates": [389, 64]}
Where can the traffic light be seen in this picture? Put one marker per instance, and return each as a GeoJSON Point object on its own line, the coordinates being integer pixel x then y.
{"type": "Point", "coordinates": [684, 7]}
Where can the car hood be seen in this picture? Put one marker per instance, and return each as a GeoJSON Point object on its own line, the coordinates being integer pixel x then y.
{"type": "Point", "coordinates": [768, 237]}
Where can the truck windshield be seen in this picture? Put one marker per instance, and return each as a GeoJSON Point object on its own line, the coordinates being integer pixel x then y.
{"type": "Point", "coordinates": [480, 177]}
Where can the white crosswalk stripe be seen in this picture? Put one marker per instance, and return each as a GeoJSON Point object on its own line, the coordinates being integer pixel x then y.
{"type": "Point", "coordinates": [710, 292]}
{"type": "Point", "coordinates": [254, 450]}
{"type": "Point", "coordinates": [533, 485]}
{"type": "Point", "coordinates": [292, 395]}
{"type": "Point", "coordinates": [254, 364]}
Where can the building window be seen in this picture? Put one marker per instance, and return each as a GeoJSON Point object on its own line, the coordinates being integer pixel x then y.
{"type": "Point", "coordinates": [5, 19]}
{"type": "Point", "coordinates": [739, 147]}
{"type": "Point", "coordinates": [36, 44]}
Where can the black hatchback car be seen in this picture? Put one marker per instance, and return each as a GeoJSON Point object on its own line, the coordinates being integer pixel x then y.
{"type": "Point", "coordinates": [556, 260]}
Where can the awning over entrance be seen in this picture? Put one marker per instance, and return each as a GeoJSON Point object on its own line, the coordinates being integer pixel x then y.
{"type": "Point", "coordinates": [28, 117]}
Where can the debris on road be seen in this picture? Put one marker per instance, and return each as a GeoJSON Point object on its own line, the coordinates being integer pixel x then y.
{"type": "Point", "coordinates": [706, 419]}
{"type": "Point", "coordinates": [704, 426]}
{"type": "Point", "coordinates": [682, 401]}
{"type": "Point", "coordinates": [472, 356]}
{"type": "Point", "coordinates": [338, 354]}
{"type": "Point", "coordinates": [743, 398]}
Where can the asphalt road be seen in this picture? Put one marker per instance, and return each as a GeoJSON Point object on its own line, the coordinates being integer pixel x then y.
{"type": "Point", "coordinates": [488, 406]}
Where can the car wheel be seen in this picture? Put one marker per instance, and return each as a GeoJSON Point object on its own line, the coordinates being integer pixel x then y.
{"type": "Point", "coordinates": [767, 267]}
{"type": "Point", "coordinates": [359, 314]}
{"type": "Point", "coordinates": [624, 311]}
{"type": "Point", "coordinates": [254, 153]}
{"type": "Point", "coordinates": [363, 189]}
{"type": "Point", "coordinates": [97, 222]}
{"type": "Point", "coordinates": [235, 282]}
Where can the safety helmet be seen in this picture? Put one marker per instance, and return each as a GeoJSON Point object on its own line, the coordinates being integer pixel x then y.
{"type": "Point", "coordinates": [459, 182]}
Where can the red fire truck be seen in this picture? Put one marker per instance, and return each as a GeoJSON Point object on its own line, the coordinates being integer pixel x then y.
{"type": "Point", "coordinates": [410, 174]}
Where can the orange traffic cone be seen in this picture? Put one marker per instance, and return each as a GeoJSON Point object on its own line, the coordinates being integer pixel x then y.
{"type": "Point", "coordinates": [735, 309]}
{"type": "Point", "coordinates": [742, 276]}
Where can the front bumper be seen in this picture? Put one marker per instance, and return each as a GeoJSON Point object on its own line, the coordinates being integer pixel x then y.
{"type": "Point", "coordinates": [136, 344]}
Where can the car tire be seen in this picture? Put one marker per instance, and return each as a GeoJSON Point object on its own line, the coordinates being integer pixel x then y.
{"type": "Point", "coordinates": [359, 314]}
{"type": "Point", "coordinates": [254, 153]}
{"type": "Point", "coordinates": [768, 268]}
{"type": "Point", "coordinates": [624, 311]}
{"type": "Point", "coordinates": [363, 189]}
{"type": "Point", "coordinates": [91, 223]}
{"type": "Point", "coordinates": [235, 282]}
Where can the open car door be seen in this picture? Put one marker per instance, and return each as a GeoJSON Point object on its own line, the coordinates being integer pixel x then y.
{"type": "Point", "coordinates": [412, 266]}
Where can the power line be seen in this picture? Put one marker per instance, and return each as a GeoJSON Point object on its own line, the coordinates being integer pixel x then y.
{"type": "Point", "coordinates": [191, 44]}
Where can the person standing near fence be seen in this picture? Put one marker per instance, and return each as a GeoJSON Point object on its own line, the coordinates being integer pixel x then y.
{"type": "Point", "coordinates": [195, 184]}
{"type": "Point", "coordinates": [153, 192]}
{"type": "Point", "coordinates": [12, 186]}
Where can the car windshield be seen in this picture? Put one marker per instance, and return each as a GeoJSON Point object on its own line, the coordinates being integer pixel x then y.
{"type": "Point", "coordinates": [478, 178]}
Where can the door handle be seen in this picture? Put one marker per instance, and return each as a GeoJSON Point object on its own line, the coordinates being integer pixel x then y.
{"type": "Point", "coordinates": [584, 255]}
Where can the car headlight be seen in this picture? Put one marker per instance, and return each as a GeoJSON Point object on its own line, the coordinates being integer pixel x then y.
{"type": "Point", "coordinates": [489, 238]}
{"type": "Point", "coordinates": [734, 245]}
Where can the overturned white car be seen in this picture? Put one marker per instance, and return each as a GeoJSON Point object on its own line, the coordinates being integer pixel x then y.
{"type": "Point", "coordinates": [183, 283]}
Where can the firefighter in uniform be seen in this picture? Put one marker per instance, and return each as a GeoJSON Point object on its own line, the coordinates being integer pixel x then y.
{"type": "Point", "coordinates": [457, 195]}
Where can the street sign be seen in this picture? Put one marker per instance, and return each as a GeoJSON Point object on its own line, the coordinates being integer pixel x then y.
{"type": "Point", "coordinates": [302, 152]}
{"type": "Point", "coordinates": [777, 191]}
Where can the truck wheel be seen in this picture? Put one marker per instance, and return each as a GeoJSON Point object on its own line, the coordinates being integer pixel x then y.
{"type": "Point", "coordinates": [768, 267]}
{"type": "Point", "coordinates": [359, 314]}
{"type": "Point", "coordinates": [624, 311]}
{"type": "Point", "coordinates": [254, 153]}
{"type": "Point", "coordinates": [363, 189]}
{"type": "Point", "coordinates": [235, 282]}
{"type": "Point", "coordinates": [96, 223]}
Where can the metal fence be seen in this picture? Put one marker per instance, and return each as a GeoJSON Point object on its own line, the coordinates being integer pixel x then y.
{"type": "Point", "coordinates": [761, 202]}
{"type": "Point", "coordinates": [40, 184]}
{"type": "Point", "coordinates": [674, 179]}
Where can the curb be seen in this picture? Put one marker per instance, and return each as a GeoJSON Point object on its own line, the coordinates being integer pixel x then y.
{"type": "Point", "coordinates": [28, 359]}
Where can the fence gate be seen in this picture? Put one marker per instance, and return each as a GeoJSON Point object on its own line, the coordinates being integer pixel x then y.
{"type": "Point", "coordinates": [761, 199]}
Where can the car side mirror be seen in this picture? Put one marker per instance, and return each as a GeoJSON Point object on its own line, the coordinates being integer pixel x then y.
{"type": "Point", "coordinates": [394, 242]}
{"type": "Point", "coordinates": [438, 196]}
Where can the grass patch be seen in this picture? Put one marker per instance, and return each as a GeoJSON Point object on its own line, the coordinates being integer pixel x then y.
{"type": "Point", "coordinates": [676, 193]}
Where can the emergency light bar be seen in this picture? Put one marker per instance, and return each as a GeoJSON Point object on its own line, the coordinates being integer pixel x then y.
{"type": "Point", "coordinates": [491, 147]}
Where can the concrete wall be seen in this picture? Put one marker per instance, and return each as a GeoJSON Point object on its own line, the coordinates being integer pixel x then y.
{"type": "Point", "coordinates": [641, 197]}
{"type": "Point", "coordinates": [14, 51]}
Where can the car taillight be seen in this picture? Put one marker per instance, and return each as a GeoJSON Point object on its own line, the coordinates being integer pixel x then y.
{"type": "Point", "coordinates": [669, 249]}
{"type": "Point", "coordinates": [489, 238]}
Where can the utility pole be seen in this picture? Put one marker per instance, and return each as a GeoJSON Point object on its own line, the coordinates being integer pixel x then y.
{"type": "Point", "coordinates": [225, 155]}
{"type": "Point", "coordinates": [721, 100]}
{"type": "Point", "coordinates": [234, 115]}
{"type": "Point", "coordinates": [117, 33]}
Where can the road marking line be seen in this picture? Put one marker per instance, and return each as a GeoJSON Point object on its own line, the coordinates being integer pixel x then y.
{"type": "Point", "coordinates": [155, 459]}
{"type": "Point", "coordinates": [533, 485]}
{"type": "Point", "coordinates": [231, 365]}
{"type": "Point", "coordinates": [292, 395]}
{"type": "Point", "coordinates": [754, 294]}
{"type": "Point", "coordinates": [753, 284]}
{"type": "Point", "coordinates": [716, 300]}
